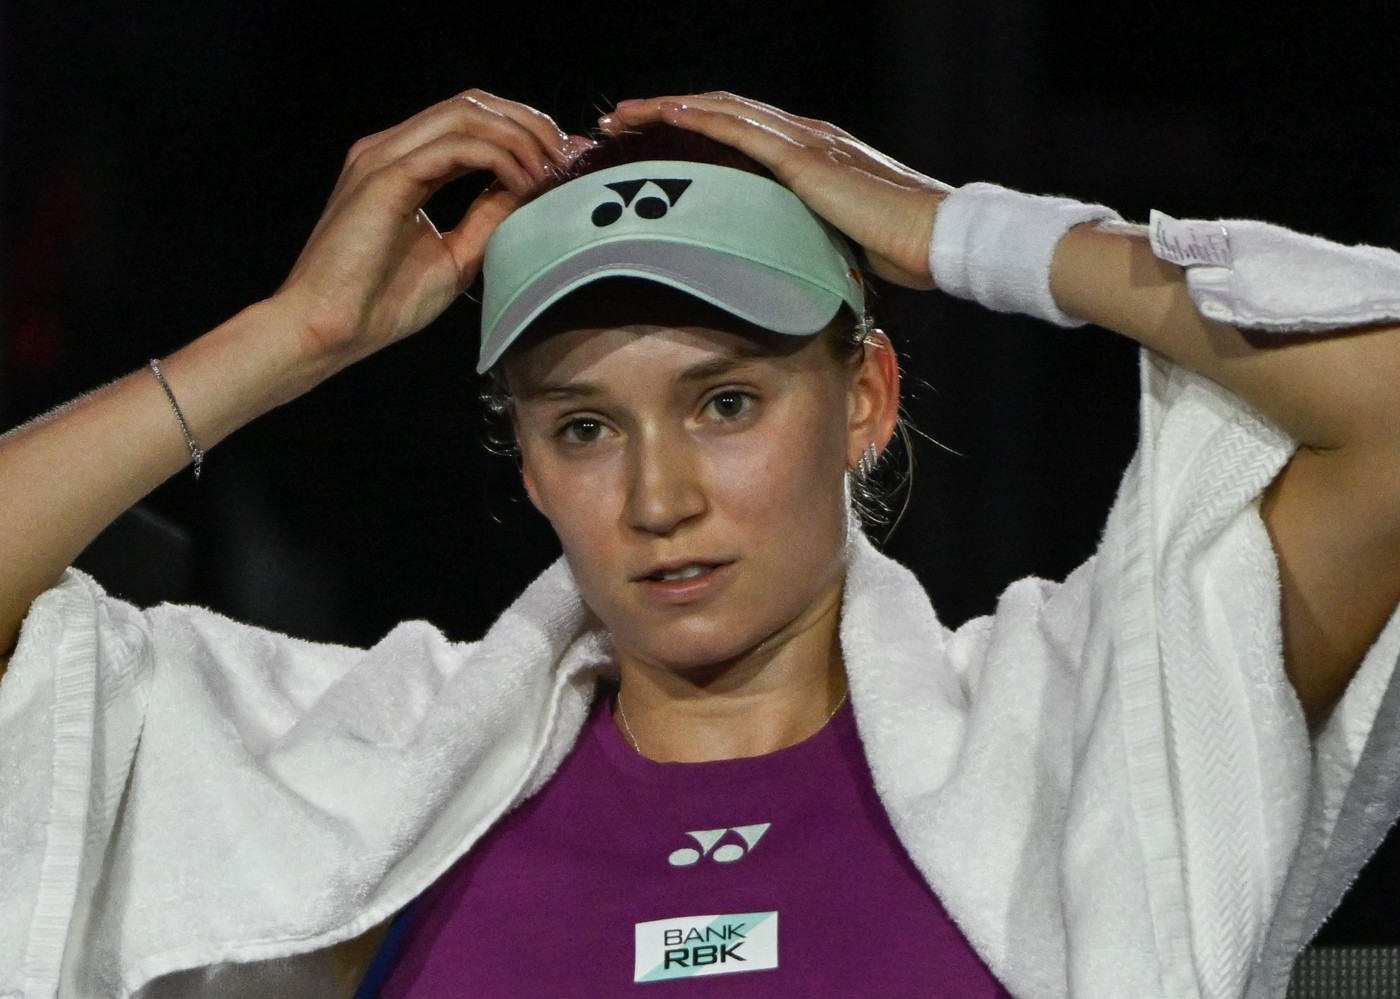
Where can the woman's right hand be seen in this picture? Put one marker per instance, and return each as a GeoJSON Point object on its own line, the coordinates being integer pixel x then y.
{"type": "Point", "coordinates": [373, 271]}
{"type": "Point", "coordinates": [375, 268]}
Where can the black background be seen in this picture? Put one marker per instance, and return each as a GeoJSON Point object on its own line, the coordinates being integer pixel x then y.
{"type": "Point", "coordinates": [162, 164]}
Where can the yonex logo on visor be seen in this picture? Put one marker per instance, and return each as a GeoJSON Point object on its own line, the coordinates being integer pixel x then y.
{"type": "Point", "coordinates": [738, 241]}
{"type": "Point", "coordinates": [649, 207]}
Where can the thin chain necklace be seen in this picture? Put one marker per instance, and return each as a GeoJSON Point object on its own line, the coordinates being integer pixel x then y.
{"type": "Point", "coordinates": [622, 713]}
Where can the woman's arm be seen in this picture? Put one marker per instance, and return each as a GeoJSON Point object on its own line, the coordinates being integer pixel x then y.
{"type": "Point", "coordinates": [374, 271]}
{"type": "Point", "coordinates": [1333, 513]}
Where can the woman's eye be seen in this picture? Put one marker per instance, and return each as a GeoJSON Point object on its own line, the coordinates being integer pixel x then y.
{"type": "Point", "coordinates": [729, 405]}
{"type": "Point", "coordinates": [581, 431]}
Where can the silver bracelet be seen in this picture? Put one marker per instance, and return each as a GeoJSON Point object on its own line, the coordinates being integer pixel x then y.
{"type": "Point", "coordinates": [196, 452]}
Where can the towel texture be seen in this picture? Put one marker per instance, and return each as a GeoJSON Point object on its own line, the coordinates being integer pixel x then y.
{"type": "Point", "coordinates": [1108, 781]}
{"type": "Point", "coordinates": [1258, 276]}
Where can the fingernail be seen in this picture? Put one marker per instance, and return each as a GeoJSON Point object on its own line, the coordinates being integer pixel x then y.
{"type": "Point", "coordinates": [578, 145]}
{"type": "Point", "coordinates": [607, 120]}
{"type": "Point", "coordinates": [630, 102]}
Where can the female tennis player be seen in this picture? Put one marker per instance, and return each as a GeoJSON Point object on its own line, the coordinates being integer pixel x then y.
{"type": "Point", "coordinates": [724, 738]}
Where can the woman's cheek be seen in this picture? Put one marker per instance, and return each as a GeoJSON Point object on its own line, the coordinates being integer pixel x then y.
{"type": "Point", "coordinates": [794, 471]}
{"type": "Point", "coordinates": [588, 513]}
{"type": "Point", "coordinates": [576, 497]}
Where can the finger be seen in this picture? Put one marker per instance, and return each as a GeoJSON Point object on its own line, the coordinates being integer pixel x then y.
{"type": "Point", "coordinates": [579, 144]}
{"type": "Point", "coordinates": [768, 145]}
{"type": "Point", "coordinates": [405, 183]}
{"type": "Point", "coordinates": [631, 112]}
{"type": "Point", "coordinates": [530, 136]}
{"type": "Point", "coordinates": [467, 242]}
{"type": "Point", "coordinates": [551, 137]}
{"type": "Point", "coordinates": [398, 190]}
{"type": "Point", "coordinates": [522, 142]}
{"type": "Point", "coordinates": [402, 187]}
{"type": "Point", "coordinates": [745, 124]}
{"type": "Point", "coordinates": [835, 143]}
{"type": "Point", "coordinates": [807, 131]}
{"type": "Point", "coordinates": [468, 114]}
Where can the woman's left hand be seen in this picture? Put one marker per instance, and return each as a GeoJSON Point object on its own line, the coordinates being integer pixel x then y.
{"type": "Point", "coordinates": [876, 201]}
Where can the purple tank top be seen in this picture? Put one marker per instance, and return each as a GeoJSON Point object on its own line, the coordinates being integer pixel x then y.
{"type": "Point", "coordinates": [775, 875]}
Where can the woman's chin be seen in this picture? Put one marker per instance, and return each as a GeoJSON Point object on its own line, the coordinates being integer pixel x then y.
{"type": "Point", "coordinates": [704, 654]}
{"type": "Point", "coordinates": [693, 652]}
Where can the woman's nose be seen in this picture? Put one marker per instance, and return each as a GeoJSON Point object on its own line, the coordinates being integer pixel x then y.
{"type": "Point", "coordinates": [664, 490]}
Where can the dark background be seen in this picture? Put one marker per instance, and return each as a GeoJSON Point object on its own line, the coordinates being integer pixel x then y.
{"type": "Point", "coordinates": [163, 162]}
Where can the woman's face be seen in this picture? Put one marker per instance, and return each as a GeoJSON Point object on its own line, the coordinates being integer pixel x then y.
{"type": "Point", "coordinates": [695, 476]}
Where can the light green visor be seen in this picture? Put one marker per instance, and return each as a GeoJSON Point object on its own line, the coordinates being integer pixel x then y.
{"type": "Point", "coordinates": [731, 238]}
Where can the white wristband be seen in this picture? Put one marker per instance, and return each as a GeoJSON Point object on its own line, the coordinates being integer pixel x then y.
{"type": "Point", "coordinates": [994, 246]}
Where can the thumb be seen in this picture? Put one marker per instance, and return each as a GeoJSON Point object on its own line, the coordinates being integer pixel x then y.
{"type": "Point", "coordinates": [467, 242]}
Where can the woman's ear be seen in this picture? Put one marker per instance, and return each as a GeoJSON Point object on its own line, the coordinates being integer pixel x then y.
{"type": "Point", "coordinates": [525, 474]}
{"type": "Point", "coordinates": [873, 407]}
{"type": "Point", "coordinates": [529, 480]}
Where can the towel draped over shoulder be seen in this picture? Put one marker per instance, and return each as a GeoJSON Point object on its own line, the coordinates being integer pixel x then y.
{"type": "Point", "coordinates": [1108, 781]}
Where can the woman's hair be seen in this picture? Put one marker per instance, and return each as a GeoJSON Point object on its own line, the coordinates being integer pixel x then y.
{"type": "Point", "coordinates": [659, 141]}
{"type": "Point", "coordinates": [845, 336]}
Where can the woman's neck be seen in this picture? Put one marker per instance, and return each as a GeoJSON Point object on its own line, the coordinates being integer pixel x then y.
{"type": "Point", "coordinates": [773, 697]}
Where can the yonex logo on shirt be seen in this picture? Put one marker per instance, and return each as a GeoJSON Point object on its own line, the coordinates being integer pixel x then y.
{"type": "Point", "coordinates": [726, 854]}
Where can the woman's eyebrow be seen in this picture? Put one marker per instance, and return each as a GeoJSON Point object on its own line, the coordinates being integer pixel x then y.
{"type": "Point", "coordinates": [723, 364]}
{"type": "Point", "coordinates": [559, 391]}
{"type": "Point", "coordinates": [706, 370]}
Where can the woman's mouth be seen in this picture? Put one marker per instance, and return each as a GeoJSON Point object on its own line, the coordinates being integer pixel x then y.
{"type": "Point", "coordinates": [687, 572]}
{"type": "Point", "coordinates": [683, 583]}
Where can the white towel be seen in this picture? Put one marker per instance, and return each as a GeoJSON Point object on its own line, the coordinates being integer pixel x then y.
{"type": "Point", "coordinates": [1108, 781]}
{"type": "Point", "coordinates": [1258, 276]}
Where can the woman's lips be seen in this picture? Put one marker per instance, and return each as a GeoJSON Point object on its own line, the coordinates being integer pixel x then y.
{"type": "Point", "coordinates": [684, 583]}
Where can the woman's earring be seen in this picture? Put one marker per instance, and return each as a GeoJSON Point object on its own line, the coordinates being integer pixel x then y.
{"type": "Point", "coordinates": [865, 465]}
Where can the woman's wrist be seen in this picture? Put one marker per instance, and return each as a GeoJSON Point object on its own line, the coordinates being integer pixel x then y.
{"type": "Point", "coordinates": [318, 342]}
{"type": "Point", "coordinates": [995, 247]}
{"type": "Point", "coordinates": [255, 361]}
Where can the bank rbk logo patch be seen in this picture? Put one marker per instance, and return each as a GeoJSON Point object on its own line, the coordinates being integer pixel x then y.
{"type": "Point", "coordinates": [662, 196]}
{"type": "Point", "coordinates": [693, 946]}
{"type": "Point", "coordinates": [741, 844]}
